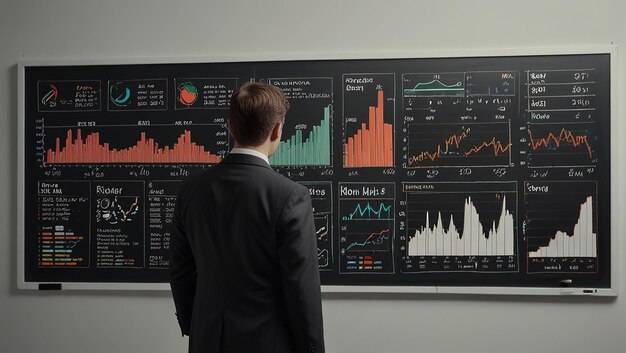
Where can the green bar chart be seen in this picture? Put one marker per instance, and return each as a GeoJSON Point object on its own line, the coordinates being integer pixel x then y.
{"type": "Point", "coordinates": [314, 150]}
{"type": "Point", "coordinates": [307, 131]}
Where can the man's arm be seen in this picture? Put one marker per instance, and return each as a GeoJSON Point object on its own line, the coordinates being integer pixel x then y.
{"type": "Point", "coordinates": [182, 271]}
{"type": "Point", "coordinates": [297, 252]}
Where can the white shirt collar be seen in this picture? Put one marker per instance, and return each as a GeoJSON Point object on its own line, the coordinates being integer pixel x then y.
{"type": "Point", "coordinates": [250, 152]}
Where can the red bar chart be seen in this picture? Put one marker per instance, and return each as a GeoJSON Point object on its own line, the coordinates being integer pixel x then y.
{"type": "Point", "coordinates": [91, 148]}
{"type": "Point", "coordinates": [368, 120]}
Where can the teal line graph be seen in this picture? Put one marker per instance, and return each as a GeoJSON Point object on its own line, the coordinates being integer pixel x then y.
{"type": "Point", "coordinates": [368, 212]}
{"type": "Point", "coordinates": [434, 86]}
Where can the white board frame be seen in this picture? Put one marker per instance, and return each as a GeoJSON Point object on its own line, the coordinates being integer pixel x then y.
{"type": "Point", "coordinates": [617, 168]}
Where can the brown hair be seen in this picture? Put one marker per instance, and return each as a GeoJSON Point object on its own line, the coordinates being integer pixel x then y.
{"type": "Point", "coordinates": [254, 110]}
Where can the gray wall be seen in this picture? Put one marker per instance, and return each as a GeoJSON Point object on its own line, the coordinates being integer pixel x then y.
{"type": "Point", "coordinates": [143, 322]}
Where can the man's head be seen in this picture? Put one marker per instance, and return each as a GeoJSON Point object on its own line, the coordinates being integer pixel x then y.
{"type": "Point", "coordinates": [257, 112]}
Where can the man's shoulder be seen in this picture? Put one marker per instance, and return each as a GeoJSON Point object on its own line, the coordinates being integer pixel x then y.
{"type": "Point", "coordinates": [261, 176]}
{"type": "Point", "coordinates": [276, 181]}
{"type": "Point", "coordinates": [270, 180]}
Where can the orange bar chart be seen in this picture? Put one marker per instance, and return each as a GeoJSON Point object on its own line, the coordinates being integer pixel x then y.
{"type": "Point", "coordinates": [372, 144]}
{"type": "Point", "coordinates": [91, 150]}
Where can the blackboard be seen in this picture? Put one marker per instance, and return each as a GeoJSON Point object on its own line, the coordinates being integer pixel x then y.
{"type": "Point", "coordinates": [465, 173]}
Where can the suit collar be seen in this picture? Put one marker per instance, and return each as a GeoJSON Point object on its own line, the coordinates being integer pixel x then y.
{"type": "Point", "coordinates": [238, 158]}
{"type": "Point", "coordinates": [251, 152]}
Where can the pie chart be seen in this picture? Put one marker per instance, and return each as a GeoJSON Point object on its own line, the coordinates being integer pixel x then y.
{"type": "Point", "coordinates": [119, 94]}
{"type": "Point", "coordinates": [187, 93]}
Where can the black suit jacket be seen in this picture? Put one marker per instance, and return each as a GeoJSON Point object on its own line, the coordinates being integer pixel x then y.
{"type": "Point", "coordinates": [244, 268]}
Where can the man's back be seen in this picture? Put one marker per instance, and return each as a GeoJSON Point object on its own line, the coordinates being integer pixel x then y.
{"type": "Point", "coordinates": [252, 277]}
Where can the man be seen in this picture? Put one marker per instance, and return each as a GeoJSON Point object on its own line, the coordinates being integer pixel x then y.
{"type": "Point", "coordinates": [244, 273]}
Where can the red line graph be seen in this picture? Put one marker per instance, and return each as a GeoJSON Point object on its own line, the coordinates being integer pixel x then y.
{"type": "Point", "coordinates": [321, 233]}
{"type": "Point", "coordinates": [453, 139]}
{"type": "Point", "coordinates": [564, 136]}
{"type": "Point", "coordinates": [452, 144]}
{"type": "Point", "coordinates": [146, 150]}
{"type": "Point", "coordinates": [131, 208]}
{"type": "Point", "coordinates": [384, 231]}
{"type": "Point", "coordinates": [498, 147]}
